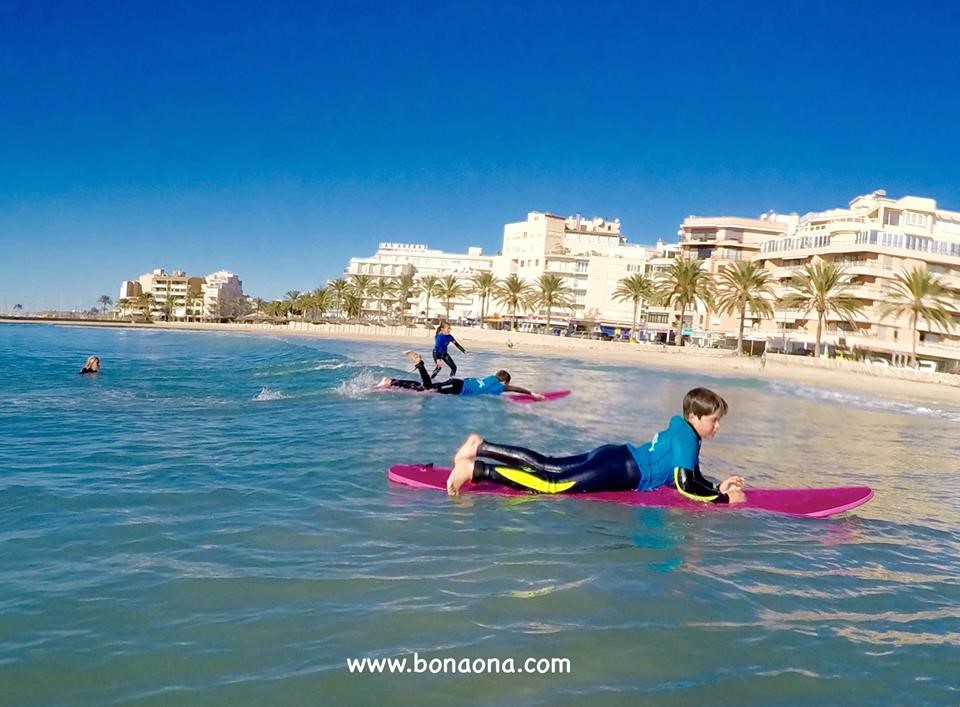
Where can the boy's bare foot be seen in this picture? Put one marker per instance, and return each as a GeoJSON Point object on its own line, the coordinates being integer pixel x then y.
{"type": "Point", "coordinates": [461, 473]}
{"type": "Point", "coordinates": [414, 357]}
{"type": "Point", "coordinates": [468, 450]}
{"type": "Point", "coordinates": [384, 383]}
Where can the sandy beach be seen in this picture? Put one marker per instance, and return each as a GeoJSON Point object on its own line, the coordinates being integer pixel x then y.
{"type": "Point", "coordinates": [894, 383]}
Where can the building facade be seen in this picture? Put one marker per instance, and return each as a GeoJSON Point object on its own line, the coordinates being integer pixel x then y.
{"type": "Point", "coordinates": [874, 238]}
{"type": "Point", "coordinates": [393, 260]}
{"type": "Point", "coordinates": [589, 256]}
{"type": "Point", "coordinates": [178, 296]}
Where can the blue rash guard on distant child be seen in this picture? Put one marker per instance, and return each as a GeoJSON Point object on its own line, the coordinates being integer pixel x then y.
{"type": "Point", "coordinates": [441, 342]}
{"type": "Point", "coordinates": [490, 385]}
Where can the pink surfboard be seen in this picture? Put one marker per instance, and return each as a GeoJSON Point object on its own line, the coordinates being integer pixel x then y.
{"type": "Point", "coordinates": [809, 503]}
{"type": "Point", "coordinates": [524, 398]}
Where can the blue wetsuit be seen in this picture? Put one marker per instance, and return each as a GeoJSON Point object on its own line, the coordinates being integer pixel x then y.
{"type": "Point", "coordinates": [441, 342]}
{"type": "Point", "coordinates": [670, 458]}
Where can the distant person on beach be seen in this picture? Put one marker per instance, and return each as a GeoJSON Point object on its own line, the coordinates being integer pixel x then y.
{"type": "Point", "coordinates": [441, 342]}
{"type": "Point", "coordinates": [91, 366]}
{"type": "Point", "coordinates": [671, 458]}
{"type": "Point", "coordinates": [491, 385]}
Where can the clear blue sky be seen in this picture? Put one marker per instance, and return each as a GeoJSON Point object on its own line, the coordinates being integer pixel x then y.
{"type": "Point", "coordinates": [277, 139]}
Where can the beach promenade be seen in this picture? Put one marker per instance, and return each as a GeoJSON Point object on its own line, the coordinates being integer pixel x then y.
{"type": "Point", "coordinates": [892, 382]}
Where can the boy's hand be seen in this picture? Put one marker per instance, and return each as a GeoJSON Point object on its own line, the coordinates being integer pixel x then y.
{"type": "Point", "coordinates": [736, 495]}
{"type": "Point", "coordinates": [732, 483]}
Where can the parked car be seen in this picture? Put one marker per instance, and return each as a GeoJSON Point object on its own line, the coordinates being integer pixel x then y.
{"type": "Point", "coordinates": [927, 366]}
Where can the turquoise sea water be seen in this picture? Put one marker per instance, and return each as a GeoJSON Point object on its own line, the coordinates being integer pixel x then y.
{"type": "Point", "coordinates": [208, 522]}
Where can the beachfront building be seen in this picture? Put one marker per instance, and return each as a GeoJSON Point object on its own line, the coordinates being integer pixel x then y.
{"type": "Point", "coordinates": [178, 296]}
{"type": "Point", "coordinates": [590, 255]}
{"type": "Point", "coordinates": [875, 238]}
{"type": "Point", "coordinates": [717, 241]}
{"type": "Point", "coordinates": [393, 260]}
{"type": "Point", "coordinates": [222, 296]}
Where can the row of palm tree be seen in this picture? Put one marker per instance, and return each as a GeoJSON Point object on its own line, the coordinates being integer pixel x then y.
{"type": "Point", "coordinates": [348, 296]}
{"type": "Point", "coordinates": [739, 288]}
{"type": "Point", "coordinates": [822, 287]}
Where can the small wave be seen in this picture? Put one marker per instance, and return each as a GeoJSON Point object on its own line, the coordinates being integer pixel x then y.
{"type": "Point", "coordinates": [865, 402]}
{"type": "Point", "coordinates": [267, 394]}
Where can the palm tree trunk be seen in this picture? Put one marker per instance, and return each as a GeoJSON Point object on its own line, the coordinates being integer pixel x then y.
{"type": "Point", "coordinates": [633, 331]}
{"type": "Point", "coordinates": [819, 332]}
{"type": "Point", "coordinates": [743, 315]}
{"type": "Point", "coordinates": [916, 336]}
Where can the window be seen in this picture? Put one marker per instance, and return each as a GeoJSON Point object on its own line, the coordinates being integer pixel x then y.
{"type": "Point", "coordinates": [912, 219]}
{"type": "Point", "coordinates": [891, 218]}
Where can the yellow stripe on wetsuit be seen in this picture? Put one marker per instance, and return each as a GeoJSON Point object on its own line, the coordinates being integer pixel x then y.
{"type": "Point", "coordinates": [533, 482]}
{"type": "Point", "coordinates": [676, 483]}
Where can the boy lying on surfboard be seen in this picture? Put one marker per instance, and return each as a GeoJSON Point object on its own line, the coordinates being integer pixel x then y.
{"type": "Point", "coordinates": [491, 385]}
{"type": "Point", "coordinates": [672, 457]}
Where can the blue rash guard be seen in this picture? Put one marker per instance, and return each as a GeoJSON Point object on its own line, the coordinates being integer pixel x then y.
{"type": "Point", "coordinates": [678, 446]}
{"type": "Point", "coordinates": [441, 342]}
{"type": "Point", "coordinates": [491, 385]}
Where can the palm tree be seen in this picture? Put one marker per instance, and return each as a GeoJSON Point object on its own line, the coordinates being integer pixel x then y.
{"type": "Point", "coordinates": [636, 288]}
{"type": "Point", "coordinates": [740, 285]}
{"type": "Point", "coordinates": [322, 300]}
{"type": "Point", "coordinates": [195, 300]}
{"type": "Point", "coordinates": [105, 303]}
{"type": "Point", "coordinates": [428, 284]}
{"type": "Point", "coordinates": [406, 287]}
{"type": "Point", "coordinates": [352, 304]}
{"type": "Point", "coordinates": [360, 286]}
{"type": "Point", "coordinates": [550, 293]}
{"type": "Point", "coordinates": [684, 283]}
{"type": "Point", "coordinates": [448, 289]}
{"type": "Point", "coordinates": [823, 287]}
{"type": "Point", "coordinates": [340, 289]}
{"type": "Point", "coordinates": [484, 285]}
{"type": "Point", "coordinates": [918, 293]}
{"type": "Point", "coordinates": [514, 293]}
{"type": "Point", "coordinates": [383, 289]}
{"type": "Point", "coordinates": [294, 304]}
{"type": "Point", "coordinates": [145, 302]}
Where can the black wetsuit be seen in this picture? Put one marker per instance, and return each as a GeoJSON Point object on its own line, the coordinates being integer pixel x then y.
{"type": "Point", "coordinates": [451, 386]}
{"type": "Point", "coordinates": [611, 467]}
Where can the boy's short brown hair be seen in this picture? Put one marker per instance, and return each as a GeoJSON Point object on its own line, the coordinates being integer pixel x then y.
{"type": "Point", "coordinates": [503, 376]}
{"type": "Point", "coordinates": [703, 401]}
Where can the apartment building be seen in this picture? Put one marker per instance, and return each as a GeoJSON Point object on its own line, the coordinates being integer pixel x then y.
{"type": "Point", "coordinates": [717, 241]}
{"type": "Point", "coordinates": [590, 255]}
{"type": "Point", "coordinates": [178, 296]}
{"type": "Point", "coordinates": [875, 238]}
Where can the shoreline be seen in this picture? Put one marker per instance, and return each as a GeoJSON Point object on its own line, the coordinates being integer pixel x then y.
{"type": "Point", "coordinates": [898, 383]}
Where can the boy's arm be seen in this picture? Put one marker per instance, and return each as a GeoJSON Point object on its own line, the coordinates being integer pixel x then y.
{"type": "Point", "coordinates": [517, 389]}
{"type": "Point", "coordinates": [692, 484]}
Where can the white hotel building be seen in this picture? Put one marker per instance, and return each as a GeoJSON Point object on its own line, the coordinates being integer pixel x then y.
{"type": "Point", "coordinates": [591, 256]}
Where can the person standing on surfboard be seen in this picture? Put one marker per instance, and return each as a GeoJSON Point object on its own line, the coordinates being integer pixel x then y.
{"type": "Point", "coordinates": [491, 385]}
{"type": "Point", "coordinates": [672, 457]}
{"type": "Point", "coordinates": [441, 342]}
